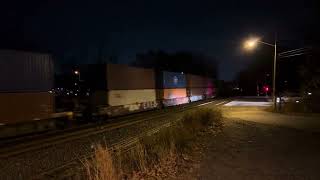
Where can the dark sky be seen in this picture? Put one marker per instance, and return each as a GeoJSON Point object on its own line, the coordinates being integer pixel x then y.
{"type": "Point", "coordinates": [70, 28]}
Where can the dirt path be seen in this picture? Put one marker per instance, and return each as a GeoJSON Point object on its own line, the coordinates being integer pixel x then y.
{"type": "Point", "coordinates": [255, 151]}
{"type": "Point", "coordinates": [259, 115]}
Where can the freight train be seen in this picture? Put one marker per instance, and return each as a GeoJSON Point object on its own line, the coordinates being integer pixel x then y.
{"type": "Point", "coordinates": [28, 95]}
{"type": "Point", "coordinates": [115, 89]}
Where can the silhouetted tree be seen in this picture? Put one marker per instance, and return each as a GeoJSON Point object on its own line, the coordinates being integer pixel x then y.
{"type": "Point", "coordinates": [258, 72]}
{"type": "Point", "coordinates": [188, 62]}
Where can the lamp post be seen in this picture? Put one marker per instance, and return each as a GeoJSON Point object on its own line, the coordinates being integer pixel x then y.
{"type": "Point", "coordinates": [76, 72]}
{"type": "Point", "coordinates": [251, 44]}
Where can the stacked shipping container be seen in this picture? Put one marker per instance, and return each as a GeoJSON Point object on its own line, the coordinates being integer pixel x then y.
{"type": "Point", "coordinates": [210, 89]}
{"type": "Point", "coordinates": [130, 89]}
{"type": "Point", "coordinates": [122, 89]}
{"type": "Point", "coordinates": [171, 88]}
{"type": "Point", "coordinates": [199, 87]}
{"type": "Point", "coordinates": [25, 81]}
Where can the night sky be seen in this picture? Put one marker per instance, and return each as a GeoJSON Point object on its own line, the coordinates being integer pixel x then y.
{"type": "Point", "coordinates": [75, 30]}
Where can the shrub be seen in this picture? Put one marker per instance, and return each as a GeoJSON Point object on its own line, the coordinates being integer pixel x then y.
{"type": "Point", "coordinates": [202, 118]}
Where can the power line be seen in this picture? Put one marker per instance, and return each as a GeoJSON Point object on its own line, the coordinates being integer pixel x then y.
{"type": "Point", "coordinates": [292, 55]}
{"type": "Point", "coordinates": [293, 51]}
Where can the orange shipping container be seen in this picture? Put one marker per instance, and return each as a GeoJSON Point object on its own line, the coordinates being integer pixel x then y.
{"type": "Point", "coordinates": [22, 107]}
{"type": "Point", "coordinates": [174, 93]}
{"type": "Point", "coordinates": [171, 97]}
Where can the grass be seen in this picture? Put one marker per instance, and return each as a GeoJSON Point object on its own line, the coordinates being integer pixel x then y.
{"type": "Point", "coordinates": [101, 166]}
{"type": "Point", "coordinates": [155, 155]}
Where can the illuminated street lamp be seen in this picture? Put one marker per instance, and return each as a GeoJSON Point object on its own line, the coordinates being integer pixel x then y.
{"type": "Point", "coordinates": [251, 44]}
{"type": "Point", "coordinates": [76, 72]}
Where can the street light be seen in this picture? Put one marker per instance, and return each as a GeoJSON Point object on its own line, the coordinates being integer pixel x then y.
{"type": "Point", "coordinates": [76, 72]}
{"type": "Point", "coordinates": [251, 44]}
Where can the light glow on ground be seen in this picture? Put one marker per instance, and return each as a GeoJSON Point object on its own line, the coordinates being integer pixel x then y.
{"type": "Point", "coordinates": [248, 103]}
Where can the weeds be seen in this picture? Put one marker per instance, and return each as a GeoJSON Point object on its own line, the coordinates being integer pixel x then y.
{"type": "Point", "coordinates": [157, 155]}
{"type": "Point", "coordinates": [101, 166]}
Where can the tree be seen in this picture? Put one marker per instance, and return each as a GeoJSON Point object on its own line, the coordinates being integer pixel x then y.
{"type": "Point", "coordinates": [258, 72]}
{"type": "Point", "coordinates": [188, 62]}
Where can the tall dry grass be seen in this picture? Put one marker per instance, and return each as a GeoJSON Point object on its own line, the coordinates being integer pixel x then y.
{"type": "Point", "coordinates": [101, 166]}
{"type": "Point", "coordinates": [155, 155]}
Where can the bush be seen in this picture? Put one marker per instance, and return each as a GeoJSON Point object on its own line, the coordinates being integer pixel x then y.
{"type": "Point", "coordinates": [202, 118]}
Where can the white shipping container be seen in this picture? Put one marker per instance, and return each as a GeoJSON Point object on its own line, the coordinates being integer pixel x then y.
{"type": "Point", "coordinates": [132, 99]}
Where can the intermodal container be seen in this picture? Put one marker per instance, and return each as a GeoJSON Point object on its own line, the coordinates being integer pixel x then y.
{"type": "Point", "coordinates": [130, 88]}
{"type": "Point", "coordinates": [209, 82]}
{"type": "Point", "coordinates": [121, 89]}
{"type": "Point", "coordinates": [172, 97]}
{"type": "Point", "coordinates": [167, 80]}
{"type": "Point", "coordinates": [25, 106]}
{"type": "Point", "coordinates": [126, 97]}
{"type": "Point", "coordinates": [117, 77]}
{"type": "Point", "coordinates": [195, 81]}
{"type": "Point", "coordinates": [210, 88]}
{"type": "Point", "coordinates": [126, 101]}
{"type": "Point", "coordinates": [25, 71]}
{"type": "Point", "coordinates": [197, 94]}
{"type": "Point", "coordinates": [123, 77]}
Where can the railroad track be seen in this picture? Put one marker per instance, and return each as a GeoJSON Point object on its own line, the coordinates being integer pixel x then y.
{"type": "Point", "coordinates": [94, 131]}
{"type": "Point", "coordinates": [43, 140]}
{"type": "Point", "coordinates": [123, 145]}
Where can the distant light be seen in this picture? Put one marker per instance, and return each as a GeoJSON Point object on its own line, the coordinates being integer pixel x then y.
{"type": "Point", "coordinates": [76, 72]}
{"type": "Point", "coordinates": [309, 93]}
{"type": "Point", "coordinates": [251, 43]}
{"type": "Point", "coordinates": [297, 101]}
{"type": "Point", "coordinates": [278, 99]}
{"type": "Point", "coordinates": [68, 93]}
{"type": "Point", "coordinates": [76, 94]}
{"type": "Point", "coordinates": [50, 91]}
